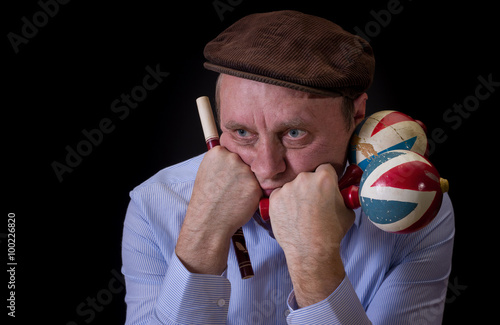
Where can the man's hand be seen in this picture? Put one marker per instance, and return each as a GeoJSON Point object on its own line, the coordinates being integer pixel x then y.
{"type": "Point", "coordinates": [225, 196]}
{"type": "Point", "coordinates": [309, 220]}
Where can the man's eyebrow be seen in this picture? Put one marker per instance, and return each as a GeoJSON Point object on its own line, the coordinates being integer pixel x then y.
{"type": "Point", "coordinates": [233, 125]}
{"type": "Point", "coordinates": [296, 123]}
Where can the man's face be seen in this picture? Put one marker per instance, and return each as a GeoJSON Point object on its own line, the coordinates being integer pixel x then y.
{"type": "Point", "coordinates": [281, 132]}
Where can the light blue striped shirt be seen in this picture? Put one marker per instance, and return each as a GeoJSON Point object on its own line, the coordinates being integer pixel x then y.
{"type": "Point", "coordinates": [390, 278]}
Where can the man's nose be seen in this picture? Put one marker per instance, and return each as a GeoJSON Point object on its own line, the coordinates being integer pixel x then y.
{"type": "Point", "coordinates": [269, 160]}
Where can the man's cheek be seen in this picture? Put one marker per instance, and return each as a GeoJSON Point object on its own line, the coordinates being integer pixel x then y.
{"type": "Point", "coordinates": [309, 159]}
{"type": "Point", "coordinates": [300, 161]}
{"type": "Point", "coordinates": [222, 140]}
{"type": "Point", "coordinates": [244, 152]}
{"type": "Point", "coordinates": [225, 141]}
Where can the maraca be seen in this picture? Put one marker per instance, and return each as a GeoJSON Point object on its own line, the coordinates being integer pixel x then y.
{"type": "Point", "coordinates": [400, 191]}
{"type": "Point", "coordinates": [386, 131]}
{"type": "Point", "coordinates": [378, 133]}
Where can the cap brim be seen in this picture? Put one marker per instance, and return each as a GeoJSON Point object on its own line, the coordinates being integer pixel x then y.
{"type": "Point", "coordinates": [272, 81]}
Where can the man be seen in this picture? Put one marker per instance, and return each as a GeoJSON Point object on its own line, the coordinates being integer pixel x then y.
{"type": "Point", "coordinates": [290, 93]}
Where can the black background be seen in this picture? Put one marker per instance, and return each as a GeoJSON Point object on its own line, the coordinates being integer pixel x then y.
{"type": "Point", "coordinates": [63, 81]}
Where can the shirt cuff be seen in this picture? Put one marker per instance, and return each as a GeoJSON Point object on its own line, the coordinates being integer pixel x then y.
{"type": "Point", "coordinates": [190, 298]}
{"type": "Point", "coordinates": [341, 307]}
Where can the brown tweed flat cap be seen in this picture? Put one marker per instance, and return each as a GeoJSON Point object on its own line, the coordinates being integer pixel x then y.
{"type": "Point", "coordinates": [295, 50]}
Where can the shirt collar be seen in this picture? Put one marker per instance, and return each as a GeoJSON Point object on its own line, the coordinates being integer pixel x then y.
{"type": "Point", "coordinates": [358, 214]}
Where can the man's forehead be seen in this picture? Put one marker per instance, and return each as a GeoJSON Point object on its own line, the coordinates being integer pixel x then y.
{"type": "Point", "coordinates": [283, 108]}
{"type": "Point", "coordinates": [229, 82]}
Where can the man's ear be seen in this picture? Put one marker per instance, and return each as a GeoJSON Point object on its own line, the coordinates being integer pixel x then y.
{"type": "Point", "coordinates": [360, 108]}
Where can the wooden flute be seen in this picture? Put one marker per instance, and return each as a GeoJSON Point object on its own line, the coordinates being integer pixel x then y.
{"type": "Point", "coordinates": [212, 140]}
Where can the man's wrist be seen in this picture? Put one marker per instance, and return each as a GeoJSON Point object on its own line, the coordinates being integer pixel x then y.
{"type": "Point", "coordinates": [203, 252]}
{"type": "Point", "coordinates": [314, 281]}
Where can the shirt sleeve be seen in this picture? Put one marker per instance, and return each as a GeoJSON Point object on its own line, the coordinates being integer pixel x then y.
{"type": "Point", "coordinates": [414, 289]}
{"type": "Point", "coordinates": [341, 307]}
{"type": "Point", "coordinates": [189, 298]}
{"type": "Point", "coordinates": [160, 290]}
{"type": "Point", "coordinates": [412, 292]}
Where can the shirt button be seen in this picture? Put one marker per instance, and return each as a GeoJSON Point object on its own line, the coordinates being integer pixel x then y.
{"type": "Point", "coordinates": [221, 302]}
{"type": "Point", "coordinates": [286, 313]}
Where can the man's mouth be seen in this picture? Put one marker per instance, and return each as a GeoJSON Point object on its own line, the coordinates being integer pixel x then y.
{"type": "Point", "coordinates": [267, 192]}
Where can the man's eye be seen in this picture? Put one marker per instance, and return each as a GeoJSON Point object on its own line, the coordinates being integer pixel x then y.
{"type": "Point", "coordinates": [295, 133]}
{"type": "Point", "coordinates": [242, 133]}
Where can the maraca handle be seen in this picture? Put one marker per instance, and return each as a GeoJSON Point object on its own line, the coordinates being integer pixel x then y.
{"type": "Point", "coordinates": [351, 197]}
{"type": "Point", "coordinates": [264, 208]}
{"type": "Point", "coordinates": [352, 176]}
